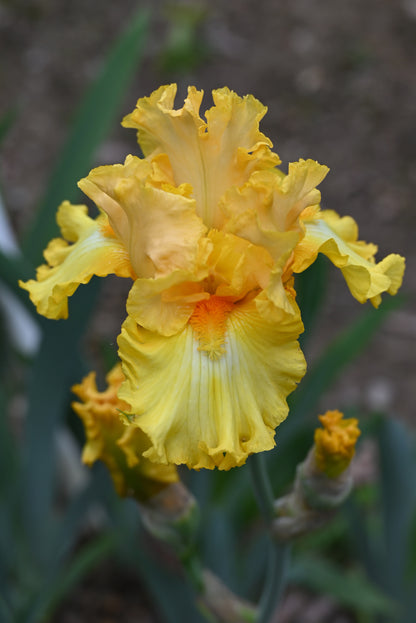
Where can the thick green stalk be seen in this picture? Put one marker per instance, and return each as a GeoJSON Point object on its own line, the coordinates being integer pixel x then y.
{"type": "Point", "coordinates": [275, 580]}
{"type": "Point", "coordinates": [261, 485]}
{"type": "Point", "coordinates": [194, 570]}
{"type": "Point", "coordinates": [278, 553]}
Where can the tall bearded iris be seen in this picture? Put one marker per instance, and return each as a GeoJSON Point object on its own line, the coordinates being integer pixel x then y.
{"type": "Point", "coordinates": [211, 232]}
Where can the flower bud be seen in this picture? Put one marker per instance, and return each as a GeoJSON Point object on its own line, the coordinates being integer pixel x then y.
{"type": "Point", "coordinates": [335, 443]}
{"type": "Point", "coordinates": [323, 480]}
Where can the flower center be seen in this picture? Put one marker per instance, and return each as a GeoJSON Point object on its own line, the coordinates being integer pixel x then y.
{"type": "Point", "coordinates": [208, 322]}
{"type": "Point", "coordinates": [106, 229]}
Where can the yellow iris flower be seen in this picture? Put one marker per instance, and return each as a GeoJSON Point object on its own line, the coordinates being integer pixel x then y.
{"type": "Point", "coordinates": [211, 232]}
{"type": "Point", "coordinates": [119, 446]}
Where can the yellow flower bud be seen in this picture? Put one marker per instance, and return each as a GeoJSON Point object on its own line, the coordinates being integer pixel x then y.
{"type": "Point", "coordinates": [335, 443]}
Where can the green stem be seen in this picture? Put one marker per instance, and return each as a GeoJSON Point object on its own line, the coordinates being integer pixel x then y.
{"type": "Point", "coordinates": [278, 553]}
{"type": "Point", "coordinates": [194, 571]}
{"type": "Point", "coordinates": [261, 485]}
{"type": "Point", "coordinates": [275, 580]}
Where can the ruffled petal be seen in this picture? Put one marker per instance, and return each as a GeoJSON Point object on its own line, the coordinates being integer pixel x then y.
{"type": "Point", "coordinates": [208, 408]}
{"type": "Point", "coordinates": [267, 208]}
{"type": "Point", "coordinates": [211, 155]}
{"type": "Point", "coordinates": [229, 267]}
{"type": "Point", "coordinates": [95, 251]}
{"type": "Point", "coordinates": [337, 238]}
{"type": "Point", "coordinates": [236, 266]}
{"type": "Point", "coordinates": [99, 186]}
{"type": "Point", "coordinates": [277, 300]}
{"type": "Point", "coordinates": [166, 304]}
{"type": "Point", "coordinates": [119, 446]}
{"type": "Point", "coordinates": [158, 225]}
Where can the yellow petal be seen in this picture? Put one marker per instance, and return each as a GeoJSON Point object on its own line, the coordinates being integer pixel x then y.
{"type": "Point", "coordinates": [158, 226]}
{"type": "Point", "coordinates": [95, 251]}
{"type": "Point", "coordinates": [211, 156]}
{"type": "Point", "coordinates": [119, 446]}
{"type": "Point", "coordinates": [100, 184]}
{"type": "Point", "coordinates": [277, 300]}
{"type": "Point", "coordinates": [236, 266]}
{"type": "Point", "coordinates": [229, 266]}
{"type": "Point", "coordinates": [166, 304]}
{"type": "Point", "coordinates": [267, 208]}
{"type": "Point", "coordinates": [214, 393]}
{"type": "Point", "coordinates": [337, 238]}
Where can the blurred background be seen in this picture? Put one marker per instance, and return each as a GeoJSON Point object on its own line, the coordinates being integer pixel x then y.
{"type": "Point", "coordinates": [339, 82]}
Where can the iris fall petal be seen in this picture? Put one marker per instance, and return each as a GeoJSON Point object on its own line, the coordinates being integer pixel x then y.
{"type": "Point", "coordinates": [95, 251]}
{"type": "Point", "coordinates": [211, 405]}
{"type": "Point", "coordinates": [337, 238]}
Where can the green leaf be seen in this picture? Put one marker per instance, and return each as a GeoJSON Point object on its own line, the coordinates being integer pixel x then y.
{"type": "Point", "coordinates": [11, 270]}
{"type": "Point", "coordinates": [95, 117]}
{"type": "Point", "coordinates": [220, 535]}
{"type": "Point", "coordinates": [8, 450]}
{"type": "Point", "coordinates": [57, 366]}
{"type": "Point", "coordinates": [325, 371]}
{"type": "Point", "coordinates": [366, 544]}
{"type": "Point", "coordinates": [294, 435]}
{"type": "Point", "coordinates": [5, 613]}
{"type": "Point", "coordinates": [411, 561]}
{"type": "Point", "coordinates": [398, 477]}
{"type": "Point", "coordinates": [350, 588]}
{"type": "Point", "coordinates": [58, 586]}
{"type": "Point", "coordinates": [67, 529]}
{"type": "Point", "coordinates": [6, 122]}
{"type": "Point", "coordinates": [311, 287]}
{"type": "Point", "coordinates": [171, 595]}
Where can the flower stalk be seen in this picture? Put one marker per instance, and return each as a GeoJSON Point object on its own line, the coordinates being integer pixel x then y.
{"type": "Point", "coordinates": [278, 555]}
{"type": "Point", "coordinates": [323, 480]}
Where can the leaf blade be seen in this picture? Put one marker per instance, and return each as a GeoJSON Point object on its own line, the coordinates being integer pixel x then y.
{"type": "Point", "coordinates": [94, 119]}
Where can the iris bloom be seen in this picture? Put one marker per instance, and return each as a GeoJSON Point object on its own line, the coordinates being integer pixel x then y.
{"type": "Point", "coordinates": [211, 232]}
{"type": "Point", "coordinates": [119, 446]}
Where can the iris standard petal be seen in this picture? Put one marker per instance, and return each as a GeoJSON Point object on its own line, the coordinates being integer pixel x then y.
{"type": "Point", "coordinates": [212, 156]}
{"type": "Point", "coordinates": [267, 208]}
{"type": "Point", "coordinates": [158, 225]}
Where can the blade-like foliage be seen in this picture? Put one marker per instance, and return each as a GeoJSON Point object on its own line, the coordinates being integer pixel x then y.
{"type": "Point", "coordinates": [55, 369]}
{"type": "Point", "coordinates": [11, 270]}
{"type": "Point", "coordinates": [6, 122]}
{"type": "Point", "coordinates": [398, 477]}
{"type": "Point", "coordinates": [349, 587]}
{"type": "Point", "coordinates": [96, 115]}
